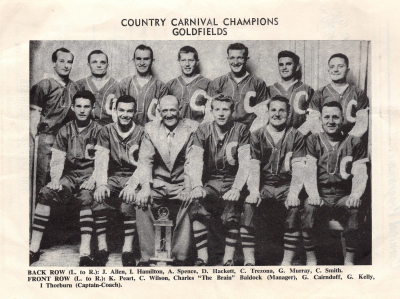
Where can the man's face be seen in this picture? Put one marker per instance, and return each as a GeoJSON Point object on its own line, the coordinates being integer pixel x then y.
{"type": "Point", "coordinates": [278, 114]}
{"type": "Point", "coordinates": [125, 113]}
{"type": "Point", "coordinates": [287, 68]}
{"type": "Point", "coordinates": [169, 110]}
{"type": "Point", "coordinates": [98, 64]}
{"type": "Point", "coordinates": [222, 112]}
{"type": "Point", "coordinates": [332, 120]}
{"type": "Point", "coordinates": [338, 69]}
{"type": "Point", "coordinates": [143, 61]}
{"type": "Point", "coordinates": [188, 63]}
{"type": "Point", "coordinates": [237, 61]}
{"type": "Point", "coordinates": [63, 65]}
{"type": "Point", "coordinates": [82, 108]}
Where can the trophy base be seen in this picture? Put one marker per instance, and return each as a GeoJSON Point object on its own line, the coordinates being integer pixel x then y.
{"type": "Point", "coordinates": [161, 262]}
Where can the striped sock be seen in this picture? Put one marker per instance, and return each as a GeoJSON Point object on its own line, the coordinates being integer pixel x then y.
{"type": "Point", "coordinates": [100, 221]}
{"type": "Point", "coordinates": [129, 232]}
{"type": "Point", "coordinates": [86, 227]}
{"type": "Point", "coordinates": [231, 239]}
{"type": "Point", "coordinates": [40, 220]}
{"type": "Point", "coordinates": [291, 241]}
{"type": "Point", "coordinates": [309, 247]}
{"type": "Point", "coordinates": [248, 244]}
{"type": "Point", "coordinates": [200, 232]}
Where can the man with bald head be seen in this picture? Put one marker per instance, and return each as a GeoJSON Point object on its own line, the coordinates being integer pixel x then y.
{"type": "Point", "coordinates": [164, 179]}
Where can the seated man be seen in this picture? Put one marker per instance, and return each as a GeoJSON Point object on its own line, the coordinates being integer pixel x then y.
{"type": "Point", "coordinates": [115, 164]}
{"type": "Point", "coordinates": [277, 161]}
{"type": "Point", "coordinates": [164, 180]}
{"type": "Point", "coordinates": [218, 168]}
{"type": "Point", "coordinates": [331, 189]}
{"type": "Point", "coordinates": [71, 169]}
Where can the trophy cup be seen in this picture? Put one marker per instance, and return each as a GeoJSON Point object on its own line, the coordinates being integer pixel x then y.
{"type": "Point", "coordinates": [163, 237]}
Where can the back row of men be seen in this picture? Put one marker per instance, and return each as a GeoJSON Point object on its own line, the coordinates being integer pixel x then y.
{"type": "Point", "coordinates": [211, 182]}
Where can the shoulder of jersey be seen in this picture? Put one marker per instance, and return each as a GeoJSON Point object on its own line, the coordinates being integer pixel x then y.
{"type": "Point", "coordinates": [191, 125]}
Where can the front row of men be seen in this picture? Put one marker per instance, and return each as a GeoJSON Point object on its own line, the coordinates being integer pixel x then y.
{"type": "Point", "coordinates": [201, 172]}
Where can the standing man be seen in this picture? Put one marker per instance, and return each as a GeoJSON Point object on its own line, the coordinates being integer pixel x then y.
{"type": "Point", "coordinates": [353, 100]}
{"type": "Point", "coordinates": [71, 169]}
{"type": "Point", "coordinates": [146, 89]}
{"type": "Point", "coordinates": [163, 162]}
{"type": "Point", "coordinates": [333, 190]}
{"type": "Point", "coordinates": [277, 162]}
{"type": "Point", "coordinates": [190, 88]}
{"type": "Point", "coordinates": [50, 103]}
{"type": "Point", "coordinates": [116, 160]}
{"type": "Point", "coordinates": [245, 89]}
{"type": "Point", "coordinates": [290, 87]}
{"type": "Point", "coordinates": [104, 87]}
{"type": "Point", "coordinates": [218, 169]}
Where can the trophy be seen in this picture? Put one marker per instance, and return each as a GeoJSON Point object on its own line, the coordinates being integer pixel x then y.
{"type": "Point", "coordinates": [163, 237]}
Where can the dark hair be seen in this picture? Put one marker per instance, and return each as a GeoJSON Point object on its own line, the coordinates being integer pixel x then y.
{"type": "Point", "coordinates": [96, 52]}
{"type": "Point", "coordinates": [223, 98]}
{"type": "Point", "coordinates": [143, 48]}
{"type": "Point", "coordinates": [280, 99]}
{"type": "Point", "coordinates": [333, 104]}
{"type": "Point", "coordinates": [126, 99]}
{"type": "Point", "coordinates": [85, 94]}
{"type": "Point", "coordinates": [296, 59]}
{"type": "Point", "coordinates": [54, 55]}
{"type": "Point", "coordinates": [188, 49]}
{"type": "Point", "coordinates": [238, 46]}
{"type": "Point", "coordinates": [340, 55]}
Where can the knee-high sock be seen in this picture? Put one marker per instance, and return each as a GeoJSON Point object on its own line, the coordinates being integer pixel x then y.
{"type": "Point", "coordinates": [231, 239]}
{"type": "Point", "coordinates": [248, 244]}
{"type": "Point", "coordinates": [86, 227]}
{"type": "Point", "coordinates": [40, 220]}
{"type": "Point", "coordinates": [291, 241]}
{"type": "Point", "coordinates": [100, 221]}
{"type": "Point", "coordinates": [129, 232]}
{"type": "Point", "coordinates": [309, 246]}
{"type": "Point", "coordinates": [200, 232]}
{"type": "Point", "coordinates": [351, 240]}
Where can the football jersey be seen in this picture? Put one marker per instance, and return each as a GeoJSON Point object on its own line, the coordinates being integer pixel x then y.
{"type": "Point", "coordinates": [153, 90]}
{"type": "Point", "coordinates": [123, 151]}
{"type": "Point", "coordinates": [55, 99]}
{"type": "Point", "coordinates": [246, 94]}
{"type": "Point", "coordinates": [188, 93]}
{"type": "Point", "coordinates": [276, 159]}
{"type": "Point", "coordinates": [105, 98]}
{"type": "Point", "coordinates": [78, 146]}
{"type": "Point", "coordinates": [299, 96]}
{"type": "Point", "coordinates": [335, 162]}
{"type": "Point", "coordinates": [352, 99]}
{"type": "Point", "coordinates": [220, 156]}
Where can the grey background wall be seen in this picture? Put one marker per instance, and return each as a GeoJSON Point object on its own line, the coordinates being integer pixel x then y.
{"type": "Point", "coordinates": [263, 59]}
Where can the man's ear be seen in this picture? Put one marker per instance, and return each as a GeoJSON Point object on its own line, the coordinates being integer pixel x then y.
{"type": "Point", "coordinates": [73, 108]}
{"type": "Point", "coordinates": [297, 68]}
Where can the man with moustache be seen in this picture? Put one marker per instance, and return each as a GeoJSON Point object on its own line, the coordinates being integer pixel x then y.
{"type": "Point", "coordinates": [245, 89]}
{"type": "Point", "coordinates": [116, 180]}
{"type": "Point", "coordinates": [163, 162]}
{"type": "Point", "coordinates": [333, 190]}
{"type": "Point", "coordinates": [104, 87]}
{"type": "Point", "coordinates": [219, 161]}
{"type": "Point", "coordinates": [353, 100]}
{"type": "Point", "coordinates": [71, 169]}
{"type": "Point", "coordinates": [275, 178]}
{"type": "Point", "coordinates": [50, 103]}
{"type": "Point", "coordinates": [298, 93]}
{"type": "Point", "coordinates": [145, 88]}
{"type": "Point", "coordinates": [190, 88]}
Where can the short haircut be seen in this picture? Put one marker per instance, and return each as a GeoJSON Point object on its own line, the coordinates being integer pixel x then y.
{"type": "Point", "coordinates": [296, 59]}
{"type": "Point", "coordinates": [126, 99]}
{"type": "Point", "coordinates": [188, 49]}
{"type": "Point", "coordinates": [280, 99]}
{"type": "Point", "coordinates": [333, 104]}
{"type": "Point", "coordinates": [96, 52]}
{"type": "Point", "coordinates": [54, 55]}
{"type": "Point", "coordinates": [238, 46]}
{"type": "Point", "coordinates": [143, 48]}
{"type": "Point", "coordinates": [340, 55]}
{"type": "Point", "coordinates": [223, 98]}
{"type": "Point", "coordinates": [85, 94]}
